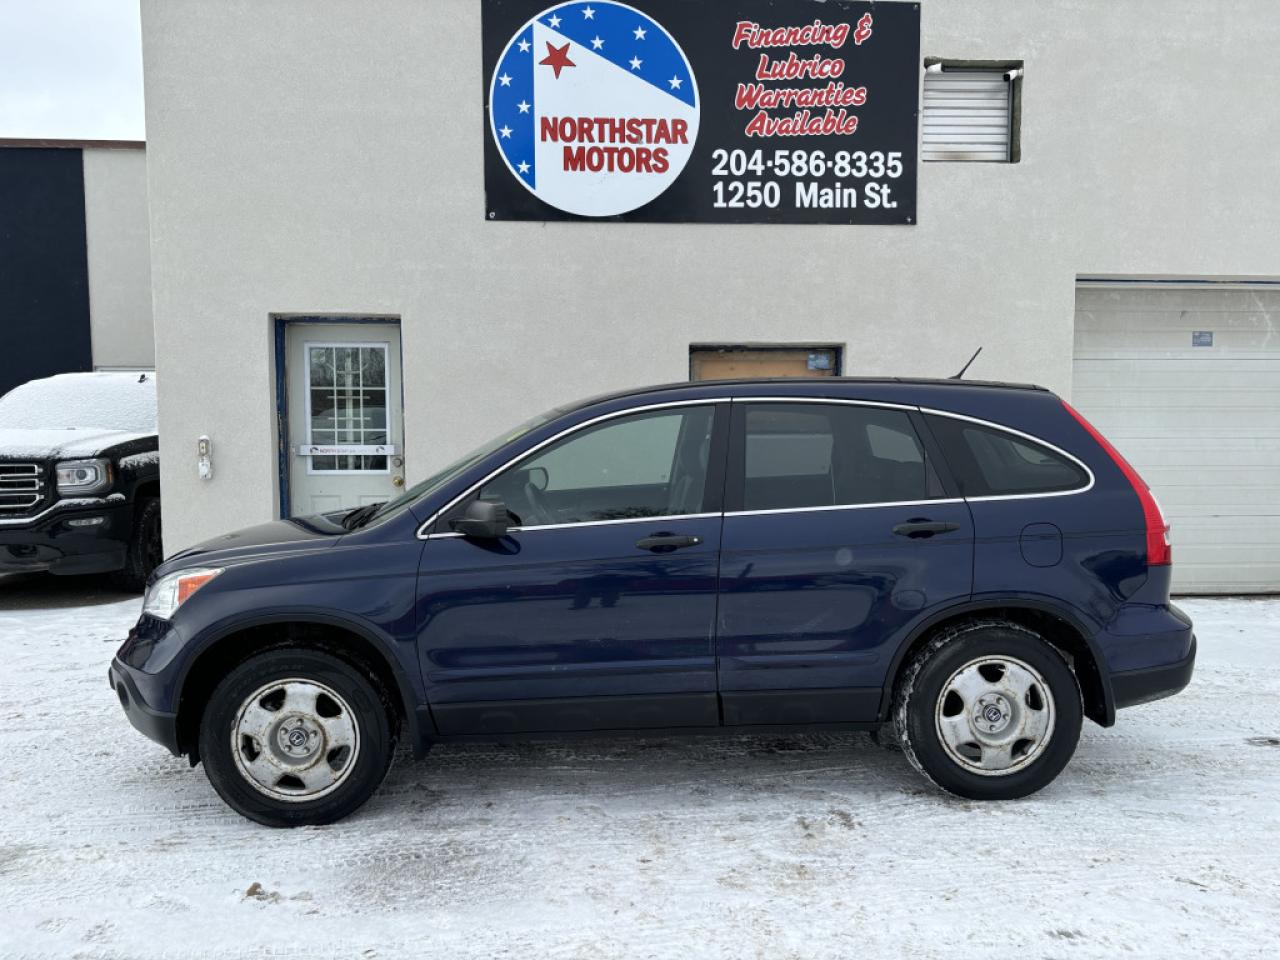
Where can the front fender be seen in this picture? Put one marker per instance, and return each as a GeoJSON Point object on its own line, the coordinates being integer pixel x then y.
{"type": "Point", "coordinates": [398, 657]}
{"type": "Point", "coordinates": [410, 691]}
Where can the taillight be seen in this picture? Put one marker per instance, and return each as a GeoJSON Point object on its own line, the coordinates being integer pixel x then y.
{"type": "Point", "coordinates": [1159, 553]}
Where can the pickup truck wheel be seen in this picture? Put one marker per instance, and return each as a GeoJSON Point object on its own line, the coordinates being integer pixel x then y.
{"type": "Point", "coordinates": [295, 737]}
{"type": "Point", "coordinates": [989, 710]}
{"type": "Point", "coordinates": [144, 551]}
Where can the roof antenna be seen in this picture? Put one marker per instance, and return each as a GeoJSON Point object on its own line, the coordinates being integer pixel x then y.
{"type": "Point", "coordinates": [960, 375]}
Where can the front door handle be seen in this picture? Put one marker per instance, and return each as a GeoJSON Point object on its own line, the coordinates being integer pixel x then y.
{"type": "Point", "coordinates": [924, 528]}
{"type": "Point", "coordinates": [667, 541]}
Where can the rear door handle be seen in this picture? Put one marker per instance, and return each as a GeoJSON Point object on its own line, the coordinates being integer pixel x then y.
{"type": "Point", "coordinates": [667, 541]}
{"type": "Point", "coordinates": [924, 528]}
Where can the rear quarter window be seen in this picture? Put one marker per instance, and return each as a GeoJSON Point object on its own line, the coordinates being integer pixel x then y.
{"type": "Point", "coordinates": [987, 461]}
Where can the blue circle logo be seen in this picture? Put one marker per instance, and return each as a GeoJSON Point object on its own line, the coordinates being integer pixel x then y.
{"type": "Point", "coordinates": [594, 107]}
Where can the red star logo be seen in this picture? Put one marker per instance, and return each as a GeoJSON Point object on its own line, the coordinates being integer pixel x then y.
{"type": "Point", "coordinates": [557, 58]}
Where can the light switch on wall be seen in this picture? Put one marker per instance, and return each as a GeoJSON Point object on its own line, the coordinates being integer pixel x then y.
{"type": "Point", "coordinates": [204, 462]}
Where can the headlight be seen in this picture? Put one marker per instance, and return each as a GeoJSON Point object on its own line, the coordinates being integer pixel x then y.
{"type": "Point", "coordinates": [170, 592]}
{"type": "Point", "coordinates": [83, 476]}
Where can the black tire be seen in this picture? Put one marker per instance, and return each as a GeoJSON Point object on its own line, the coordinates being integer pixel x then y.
{"type": "Point", "coordinates": [144, 551]}
{"type": "Point", "coordinates": [368, 712]}
{"type": "Point", "coordinates": [917, 713]}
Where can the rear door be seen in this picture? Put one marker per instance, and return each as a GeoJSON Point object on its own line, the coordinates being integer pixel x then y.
{"type": "Point", "coordinates": [1036, 536]}
{"type": "Point", "coordinates": [840, 534]}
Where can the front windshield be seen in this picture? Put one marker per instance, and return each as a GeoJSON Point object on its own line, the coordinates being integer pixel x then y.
{"type": "Point", "coordinates": [439, 479]}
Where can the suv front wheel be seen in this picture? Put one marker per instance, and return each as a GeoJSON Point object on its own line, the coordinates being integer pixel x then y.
{"type": "Point", "coordinates": [295, 737]}
{"type": "Point", "coordinates": [989, 711]}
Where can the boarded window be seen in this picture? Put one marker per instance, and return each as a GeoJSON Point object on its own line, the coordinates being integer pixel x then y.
{"type": "Point", "coordinates": [728, 362]}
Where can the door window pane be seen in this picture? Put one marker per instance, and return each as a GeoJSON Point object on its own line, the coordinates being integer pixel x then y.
{"type": "Point", "coordinates": [645, 465]}
{"type": "Point", "coordinates": [347, 395]}
{"type": "Point", "coordinates": [821, 455]}
{"type": "Point", "coordinates": [990, 462]}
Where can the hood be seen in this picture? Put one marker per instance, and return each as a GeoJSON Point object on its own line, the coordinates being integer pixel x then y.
{"type": "Point", "coordinates": [259, 542]}
{"type": "Point", "coordinates": [61, 444]}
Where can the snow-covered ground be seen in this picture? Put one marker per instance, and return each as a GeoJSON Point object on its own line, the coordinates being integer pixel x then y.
{"type": "Point", "coordinates": [1161, 839]}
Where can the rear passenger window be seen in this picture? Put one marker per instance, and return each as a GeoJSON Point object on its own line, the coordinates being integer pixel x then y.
{"type": "Point", "coordinates": [822, 455]}
{"type": "Point", "coordinates": [988, 462]}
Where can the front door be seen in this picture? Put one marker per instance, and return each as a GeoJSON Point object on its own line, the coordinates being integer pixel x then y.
{"type": "Point", "coordinates": [838, 537]}
{"type": "Point", "coordinates": [346, 429]}
{"type": "Point", "coordinates": [597, 611]}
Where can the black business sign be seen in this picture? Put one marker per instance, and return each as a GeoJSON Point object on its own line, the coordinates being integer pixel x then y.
{"type": "Point", "coordinates": [721, 111]}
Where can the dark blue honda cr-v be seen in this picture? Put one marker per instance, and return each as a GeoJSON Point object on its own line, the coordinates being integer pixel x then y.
{"type": "Point", "coordinates": [968, 569]}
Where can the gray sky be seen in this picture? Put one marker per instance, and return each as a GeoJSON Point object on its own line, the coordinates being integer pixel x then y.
{"type": "Point", "coordinates": [71, 69]}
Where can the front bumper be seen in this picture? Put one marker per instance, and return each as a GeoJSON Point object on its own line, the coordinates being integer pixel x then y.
{"type": "Point", "coordinates": [49, 543]}
{"type": "Point", "coordinates": [158, 725]}
{"type": "Point", "coordinates": [1132, 687]}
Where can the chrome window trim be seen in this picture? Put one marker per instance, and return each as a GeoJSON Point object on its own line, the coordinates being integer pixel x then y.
{"type": "Point", "coordinates": [844, 506]}
{"type": "Point", "coordinates": [1025, 436]}
{"type": "Point", "coordinates": [665, 518]}
{"type": "Point", "coordinates": [749, 513]}
{"type": "Point", "coordinates": [701, 402]}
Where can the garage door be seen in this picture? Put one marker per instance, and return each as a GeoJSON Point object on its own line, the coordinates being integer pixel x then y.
{"type": "Point", "coordinates": [1185, 381]}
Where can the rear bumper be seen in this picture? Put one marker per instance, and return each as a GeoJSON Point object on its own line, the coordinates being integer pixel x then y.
{"type": "Point", "coordinates": [158, 725]}
{"type": "Point", "coordinates": [51, 544]}
{"type": "Point", "coordinates": [1132, 687]}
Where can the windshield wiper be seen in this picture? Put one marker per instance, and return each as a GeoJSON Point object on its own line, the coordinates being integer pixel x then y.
{"type": "Point", "coordinates": [361, 515]}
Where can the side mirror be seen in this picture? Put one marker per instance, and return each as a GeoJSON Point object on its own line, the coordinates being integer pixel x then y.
{"type": "Point", "coordinates": [538, 478]}
{"type": "Point", "coordinates": [484, 519]}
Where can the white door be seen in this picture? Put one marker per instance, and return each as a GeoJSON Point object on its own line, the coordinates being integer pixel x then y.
{"type": "Point", "coordinates": [1185, 381]}
{"type": "Point", "coordinates": [346, 434]}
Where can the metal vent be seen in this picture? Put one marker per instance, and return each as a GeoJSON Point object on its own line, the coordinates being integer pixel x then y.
{"type": "Point", "coordinates": [967, 116]}
{"type": "Point", "coordinates": [21, 486]}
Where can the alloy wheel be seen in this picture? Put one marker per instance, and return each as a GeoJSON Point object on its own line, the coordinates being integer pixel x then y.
{"type": "Point", "coordinates": [995, 716]}
{"type": "Point", "coordinates": [295, 740]}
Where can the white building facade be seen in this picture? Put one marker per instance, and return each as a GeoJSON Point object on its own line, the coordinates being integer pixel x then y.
{"type": "Point", "coordinates": [319, 222]}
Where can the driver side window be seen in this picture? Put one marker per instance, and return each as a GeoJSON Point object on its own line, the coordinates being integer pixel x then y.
{"type": "Point", "coordinates": [643, 465]}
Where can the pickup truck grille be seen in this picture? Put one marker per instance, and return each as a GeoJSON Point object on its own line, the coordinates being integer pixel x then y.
{"type": "Point", "coordinates": [22, 487]}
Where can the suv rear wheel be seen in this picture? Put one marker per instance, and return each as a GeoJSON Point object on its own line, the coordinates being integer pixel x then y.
{"type": "Point", "coordinates": [296, 737]}
{"type": "Point", "coordinates": [989, 710]}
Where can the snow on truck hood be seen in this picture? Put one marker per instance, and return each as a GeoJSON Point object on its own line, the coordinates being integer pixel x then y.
{"type": "Point", "coordinates": [64, 444]}
{"type": "Point", "coordinates": [77, 414]}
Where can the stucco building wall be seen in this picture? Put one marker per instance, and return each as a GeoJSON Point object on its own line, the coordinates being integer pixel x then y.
{"type": "Point", "coordinates": [326, 159]}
